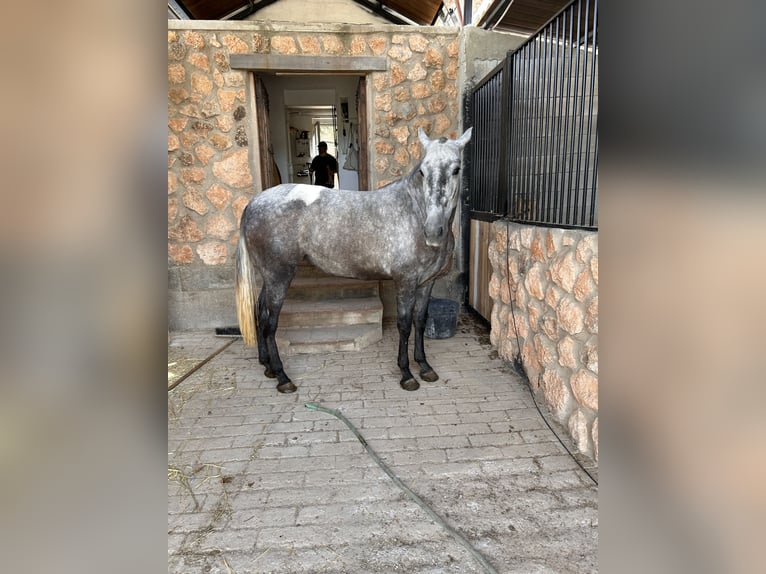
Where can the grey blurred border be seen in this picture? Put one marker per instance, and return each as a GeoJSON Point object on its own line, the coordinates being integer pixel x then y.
{"type": "Point", "coordinates": [83, 288]}
{"type": "Point", "coordinates": [682, 189]}
{"type": "Point", "coordinates": [83, 300]}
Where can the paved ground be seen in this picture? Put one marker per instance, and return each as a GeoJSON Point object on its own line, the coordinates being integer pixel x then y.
{"type": "Point", "coordinates": [259, 483]}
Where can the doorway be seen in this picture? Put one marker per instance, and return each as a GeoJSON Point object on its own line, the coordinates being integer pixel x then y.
{"type": "Point", "coordinates": [297, 111]}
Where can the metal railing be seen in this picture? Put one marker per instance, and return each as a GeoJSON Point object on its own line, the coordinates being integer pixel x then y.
{"type": "Point", "coordinates": [534, 150]}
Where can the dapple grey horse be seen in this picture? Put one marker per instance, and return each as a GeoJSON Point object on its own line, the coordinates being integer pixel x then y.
{"type": "Point", "coordinates": [402, 231]}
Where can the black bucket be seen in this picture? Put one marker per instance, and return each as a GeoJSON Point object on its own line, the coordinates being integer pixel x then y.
{"type": "Point", "coordinates": [441, 320]}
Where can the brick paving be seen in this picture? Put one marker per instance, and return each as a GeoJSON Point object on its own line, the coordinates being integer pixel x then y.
{"type": "Point", "coordinates": [259, 483]}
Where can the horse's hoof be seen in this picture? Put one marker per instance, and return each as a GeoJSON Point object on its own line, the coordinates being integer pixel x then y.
{"type": "Point", "coordinates": [429, 376]}
{"type": "Point", "coordinates": [410, 385]}
{"type": "Point", "coordinates": [269, 373]}
{"type": "Point", "coordinates": [287, 387]}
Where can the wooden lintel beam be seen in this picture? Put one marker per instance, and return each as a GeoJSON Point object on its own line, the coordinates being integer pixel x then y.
{"type": "Point", "coordinates": [307, 64]}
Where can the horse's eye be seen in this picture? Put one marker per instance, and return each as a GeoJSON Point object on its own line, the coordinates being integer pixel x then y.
{"type": "Point", "coordinates": [456, 171]}
{"type": "Point", "coordinates": [420, 171]}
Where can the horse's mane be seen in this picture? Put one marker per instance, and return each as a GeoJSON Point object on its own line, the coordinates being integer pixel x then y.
{"type": "Point", "coordinates": [404, 179]}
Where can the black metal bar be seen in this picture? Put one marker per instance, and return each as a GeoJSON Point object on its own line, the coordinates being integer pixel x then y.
{"type": "Point", "coordinates": [593, 73]}
{"type": "Point", "coordinates": [506, 168]}
{"type": "Point", "coordinates": [561, 122]}
{"type": "Point", "coordinates": [555, 129]}
{"type": "Point", "coordinates": [536, 134]}
{"type": "Point", "coordinates": [583, 133]}
{"type": "Point", "coordinates": [576, 121]}
{"type": "Point", "coordinates": [524, 191]}
{"type": "Point", "coordinates": [568, 183]}
{"type": "Point", "coordinates": [514, 131]}
{"type": "Point", "coordinates": [546, 117]}
{"type": "Point", "coordinates": [544, 214]}
{"type": "Point", "coordinates": [594, 187]}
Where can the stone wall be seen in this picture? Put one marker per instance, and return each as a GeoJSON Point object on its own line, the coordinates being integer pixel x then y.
{"type": "Point", "coordinates": [551, 278]}
{"type": "Point", "coordinates": [211, 139]}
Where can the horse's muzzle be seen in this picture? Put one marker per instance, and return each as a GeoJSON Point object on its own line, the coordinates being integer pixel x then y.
{"type": "Point", "coordinates": [435, 239]}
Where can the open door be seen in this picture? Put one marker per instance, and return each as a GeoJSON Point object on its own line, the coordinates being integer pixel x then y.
{"type": "Point", "coordinates": [269, 171]}
{"type": "Point", "coordinates": [361, 107]}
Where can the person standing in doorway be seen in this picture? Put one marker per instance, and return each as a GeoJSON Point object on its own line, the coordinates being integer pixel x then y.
{"type": "Point", "coordinates": [324, 167]}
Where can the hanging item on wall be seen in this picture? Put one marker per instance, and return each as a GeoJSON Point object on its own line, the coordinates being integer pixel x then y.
{"type": "Point", "coordinates": [352, 155]}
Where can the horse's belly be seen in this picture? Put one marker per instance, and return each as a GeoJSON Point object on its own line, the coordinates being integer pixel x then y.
{"type": "Point", "coordinates": [347, 265]}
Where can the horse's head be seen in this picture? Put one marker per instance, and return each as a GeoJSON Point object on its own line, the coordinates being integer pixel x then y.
{"type": "Point", "coordinates": [439, 172]}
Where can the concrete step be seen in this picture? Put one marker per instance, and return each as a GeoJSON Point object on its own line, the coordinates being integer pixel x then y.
{"type": "Point", "coordinates": [329, 287]}
{"type": "Point", "coordinates": [331, 312]}
{"type": "Point", "coordinates": [296, 340]}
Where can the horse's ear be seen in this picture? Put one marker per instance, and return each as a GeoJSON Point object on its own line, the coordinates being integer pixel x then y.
{"type": "Point", "coordinates": [462, 140]}
{"type": "Point", "coordinates": [423, 138]}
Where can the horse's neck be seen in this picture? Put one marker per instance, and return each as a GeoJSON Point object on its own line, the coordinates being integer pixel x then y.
{"type": "Point", "coordinates": [408, 191]}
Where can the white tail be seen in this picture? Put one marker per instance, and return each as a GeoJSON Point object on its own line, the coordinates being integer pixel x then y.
{"type": "Point", "coordinates": [245, 296]}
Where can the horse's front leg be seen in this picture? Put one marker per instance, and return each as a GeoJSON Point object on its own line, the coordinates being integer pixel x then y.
{"type": "Point", "coordinates": [422, 296]}
{"type": "Point", "coordinates": [405, 301]}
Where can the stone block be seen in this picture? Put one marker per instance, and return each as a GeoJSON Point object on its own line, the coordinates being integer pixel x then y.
{"type": "Point", "coordinates": [594, 268]}
{"type": "Point", "coordinates": [590, 354]}
{"type": "Point", "coordinates": [219, 196]}
{"type": "Point", "coordinates": [546, 351]}
{"type": "Point", "coordinates": [568, 353]}
{"type": "Point", "coordinates": [238, 206]}
{"type": "Point", "coordinates": [585, 388]}
{"type": "Point", "coordinates": [377, 44]}
{"type": "Point", "coordinates": [235, 44]}
{"type": "Point", "coordinates": [578, 429]}
{"type": "Point", "coordinates": [433, 58]}
{"type": "Point", "coordinates": [587, 247]}
{"type": "Point", "coordinates": [420, 91]}
{"type": "Point", "coordinates": [594, 435]}
{"type": "Point", "coordinates": [176, 74]}
{"type": "Point", "coordinates": [204, 153]}
{"type": "Point", "coordinates": [219, 226]}
{"type": "Point", "coordinates": [535, 282]}
{"type": "Point", "coordinates": [556, 393]}
{"type": "Point", "coordinates": [584, 286]}
{"type": "Point", "coordinates": [400, 53]}
{"type": "Point", "coordinates": [591, 316]}
{"type": "Point", "coordinates": [536, 249]}
{"type": "Point", "coordinates": [234, 169]}
{"type": "Point", "coordinates": [213, 252]}
{"type": "Point", "coordinates": [564, 270]}
{"type": "Point", "coordinates": [417, 73]}
{"type": "Point", "coordinates": [180, 254]}
{"type": "Point", "coordinates": [186, 230]}
{"type": "Point", "coordinates": [570, 315]}
{"type": "Point", "coordinates": [194, 200]}
{"type": "Point", "coordinates": [310, 45]}
{"type": "Point", "coordinates": [550, 327]}
{"type": "Point", "coordinates": [200, 61]}
{"type": "Point", "coordinates": [398, 75]}
{"type": "Point", "coordinates": [417, 43]}
{"type": "Point", "coordinates": [553, 295]}
{"type": "Point", "coordinates": [172, 210]}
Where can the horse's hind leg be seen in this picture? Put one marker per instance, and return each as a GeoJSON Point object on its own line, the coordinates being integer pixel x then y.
{"type": "Point", "coordinates": [263, 350]}
{"type": "Point", "coordinates": [422, 295]}
{"type": "Point", "coordinates": [270, 301]}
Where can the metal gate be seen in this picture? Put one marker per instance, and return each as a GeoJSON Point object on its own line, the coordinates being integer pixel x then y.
{"type": "Point", "coordinates": [534, 153]}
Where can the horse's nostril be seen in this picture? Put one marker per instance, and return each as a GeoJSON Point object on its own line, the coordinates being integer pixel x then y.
{"type": "Point", "coordinates": [441, 231]}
